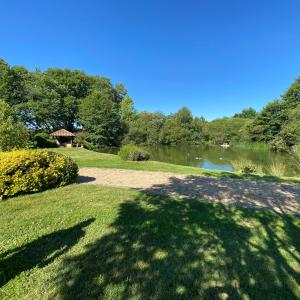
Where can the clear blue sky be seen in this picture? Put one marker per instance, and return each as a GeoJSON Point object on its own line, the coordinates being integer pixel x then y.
{"type": "Point", "coordinates": [214, 56]}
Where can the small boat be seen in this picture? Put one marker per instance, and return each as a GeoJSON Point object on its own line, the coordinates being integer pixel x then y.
{"type": "Point", "coordinates": [225, 145]}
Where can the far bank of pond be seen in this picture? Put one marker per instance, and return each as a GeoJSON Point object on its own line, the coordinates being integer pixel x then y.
{"type": "Point", "coordinates": [218, 158]}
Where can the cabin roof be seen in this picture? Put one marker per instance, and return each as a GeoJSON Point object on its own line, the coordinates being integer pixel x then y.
{"type": "Point", "coordinates": [62, 132]}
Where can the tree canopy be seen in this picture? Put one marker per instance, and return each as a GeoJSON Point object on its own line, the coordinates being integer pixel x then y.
{"type": "Point", "coordinates": [45, 101]}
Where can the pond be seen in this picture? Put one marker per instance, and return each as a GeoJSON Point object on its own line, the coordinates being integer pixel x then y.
{"type": "Point", "coordinates": [218, 158]}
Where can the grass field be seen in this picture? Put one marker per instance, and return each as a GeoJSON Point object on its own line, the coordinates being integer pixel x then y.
{"type": "Point", "coordinates": [86, 158]}
{"type": "Point", "coordinates": [92, 242]}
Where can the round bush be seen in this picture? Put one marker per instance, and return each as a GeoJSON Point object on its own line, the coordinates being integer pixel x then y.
{"type": "Point", "coordinates": [134, 153]}
{"type": "Point", "coordinates": [43, 140]}
{"type": "Point", "coordinates": [29, 171]}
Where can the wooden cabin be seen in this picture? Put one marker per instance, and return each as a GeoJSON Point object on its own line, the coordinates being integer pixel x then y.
{"type": "Point", "coordinates": [63, 138]}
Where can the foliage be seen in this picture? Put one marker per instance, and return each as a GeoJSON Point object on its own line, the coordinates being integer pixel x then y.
{"type": "Point", "coordinates": [268, 123]}
{"type": "Point", "coordinates": [43, 140]}
{"type": "Point", "coordinates": [181, 128]}
{"type": "Point", "coordinates": [277, 168]}
{"type": "Point", "coordinates": [80, 137]}
{"type": "Point", "coordinates": [226, 130]}
{"type": "Point", "coordinates": [29, 171]}
{"type": "Point", "coordinates": [13, 133]}
{"type": "Point", "coordinates": [247, 113]}
{"type": "Point", "coordinates": [127, 110]}
{"type": "Point", "coordinates": [61, 98]}
{"type": "Point", "coordinates": [246, 166]}
{"type": "Point", "coordinates": [296, 155]}
{"type": "Point", "coordinates": [100, 118]}
{"type": "Point", "coordinates": [134, 153]}
{"type": "Point", "coordinates": [145, 128]}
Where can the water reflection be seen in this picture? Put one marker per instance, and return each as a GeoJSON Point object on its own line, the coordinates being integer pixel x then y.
{"type": "Point", "coordinates": [215, 158]}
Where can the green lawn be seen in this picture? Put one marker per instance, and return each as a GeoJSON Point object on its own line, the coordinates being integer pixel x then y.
{"type": "Point", "coordinates": [86, 158]}
{"type": "Point", "coordinates": [91, 242]}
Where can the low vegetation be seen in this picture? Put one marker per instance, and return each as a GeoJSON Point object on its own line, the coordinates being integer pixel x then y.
{"type": "Point", "coordinates": [133, 153]}
{"type": "Point", "coordinates": [277, 168]}
{"type": "Point", "coordinates": [29, 171]}
{"type": "Point", "coordinates": [246, 167]}
{"type": "Point", "coordinates": [92, 242]}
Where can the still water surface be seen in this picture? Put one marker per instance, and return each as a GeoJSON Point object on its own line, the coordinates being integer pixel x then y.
{"type": "Point", "coordinates": [217, 158]}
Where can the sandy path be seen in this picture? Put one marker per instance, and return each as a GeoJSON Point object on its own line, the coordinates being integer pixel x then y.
{"type": "Point", "coordinates": [281, 197]}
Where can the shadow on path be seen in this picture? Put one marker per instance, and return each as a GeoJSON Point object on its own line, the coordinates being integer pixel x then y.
{"type": "Point", "coordinates": [281, 197]}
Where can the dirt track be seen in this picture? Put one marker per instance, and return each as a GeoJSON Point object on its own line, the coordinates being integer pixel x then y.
{"type": "Point", "coordinates": [281, 197]}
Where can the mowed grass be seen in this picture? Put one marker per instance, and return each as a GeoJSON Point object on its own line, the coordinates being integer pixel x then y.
{"type": "Point", "coordinates": [92, 242]}
{"type": "Point", "coordinates": [86, 158]}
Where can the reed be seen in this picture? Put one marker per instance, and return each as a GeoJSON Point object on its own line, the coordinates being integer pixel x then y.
{"type": "Point", "coordinates": [277, 169]}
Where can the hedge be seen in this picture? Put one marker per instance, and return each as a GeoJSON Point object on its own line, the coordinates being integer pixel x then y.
{"type": "Point", "coordinates": [29, 171]}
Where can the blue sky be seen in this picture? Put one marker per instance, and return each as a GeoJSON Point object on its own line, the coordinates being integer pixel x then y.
{"type": "Point", "coordinates": [216, 57]}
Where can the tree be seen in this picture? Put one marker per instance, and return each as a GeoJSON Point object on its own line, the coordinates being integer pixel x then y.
{"type": "Point", "coordinates": [101, 120]}
{"type": "Point", "coordinates": [247, 113]}
{"type": "Point", "coordinates": [292, 96]}
{"type": "Point", "coordinates": [268, 123]}
{"type": "Point", "coordinates": [145, 128]}
{"type": "Point", "coordinates": [13, 133]}
{"type": "Point", "coordinates": [4, 71]}
{"type": "Point", "coordinates": [127, 110]}
{"type": "Point", "coordinates": [225, 130]}
{"type": "Point", "coordinates": [182, 128]}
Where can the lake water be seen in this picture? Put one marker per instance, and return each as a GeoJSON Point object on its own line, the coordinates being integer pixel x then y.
{"type": "Point", "coordinates": [217, 158]}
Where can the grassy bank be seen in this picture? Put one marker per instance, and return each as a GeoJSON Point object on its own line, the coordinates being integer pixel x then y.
{"type": "Point", "coordinates": [91, 242]}
{"type": "Point", "coordinates": [86, 158]}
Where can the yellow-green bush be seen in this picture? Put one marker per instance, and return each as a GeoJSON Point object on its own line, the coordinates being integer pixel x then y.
{"type": "Point", "coordinates": [29, 171]}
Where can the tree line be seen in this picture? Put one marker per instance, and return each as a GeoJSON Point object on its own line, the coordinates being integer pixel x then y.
{"type": "Point", "coordinates": [103, 114]}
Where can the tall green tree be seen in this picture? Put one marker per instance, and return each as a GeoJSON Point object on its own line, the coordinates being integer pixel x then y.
{"type": "Point", "coordinates": [100, 119]}
{"type": "Point", "coordinates": [13, 133]}
{"type": "Point", "coordinates": [269, 122]}
{"type": "Point", "coordinates": [4, 72]}
{"type": "Point", "coordinates": [127, 110]}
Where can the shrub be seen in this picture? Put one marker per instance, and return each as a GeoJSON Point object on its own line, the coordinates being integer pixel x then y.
{"type": "Point", "coordinates": [29, 171]}
{"type": "Point", "coordinates": [43, 140]}
{"type": "Point", "coordinates": [13, 133]}
{"type": "Point", "coordinates": [88, 145]}
{"type": "Point", "coordinates": [296, 156]}
{"type": "Point", "coordinates": [246, 166]}
{"type": "Point", "coordinates": [277, 168]}
{"type": "Point", "coordinates": [132, 152]}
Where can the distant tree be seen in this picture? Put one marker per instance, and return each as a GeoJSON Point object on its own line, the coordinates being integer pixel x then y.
{"type": "Point", "coordinates": [225, 130]}
{"type": "Point", "coordinates": [181, 128]}
{"type": "Point", "coordinates": [145, 128]}
{"type": "Point", "coordinates": [13, 133]}
{"type": "Point", "coordinates": [292, 96]}
{"type": "Point", "coordinates": [269, 122]}
{"type": "Point", "coordinates": [247, 113]}
{"type": "Point", "coordinates": [127, 110]}
{"type": "Point", "coordinates": [100, 119]}
{"type": "Point", "coordinates": [4, 71]}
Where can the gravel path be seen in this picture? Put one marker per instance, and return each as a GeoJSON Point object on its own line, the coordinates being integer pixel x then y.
{"type": "Point", "coordinates": [281, 197]}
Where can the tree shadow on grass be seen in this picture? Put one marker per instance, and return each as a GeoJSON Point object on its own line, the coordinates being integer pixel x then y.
{"type": "Point", "coordinates": [40, 252]}
{"type": "Point", "coordinates": [165, 248]}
